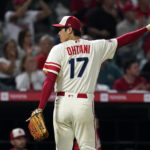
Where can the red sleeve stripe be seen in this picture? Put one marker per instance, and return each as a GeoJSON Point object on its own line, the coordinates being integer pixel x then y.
{"type": "Point", "coordinates": [53, 63]}
{"type": "Point", "coordinates": [51, 68]}
{"type": "Point", "coordinates": [46, 71]}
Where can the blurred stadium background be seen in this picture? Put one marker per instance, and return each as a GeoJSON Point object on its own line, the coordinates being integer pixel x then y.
{"type": "Point", "coordinates": [124, 115]}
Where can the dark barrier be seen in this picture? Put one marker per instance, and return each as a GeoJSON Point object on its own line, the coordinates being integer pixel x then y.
{"type": "Point", "coordinates": [123, 126]}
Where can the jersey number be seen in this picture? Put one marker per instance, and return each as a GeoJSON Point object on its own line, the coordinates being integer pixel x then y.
{"type": "Point", "coordinates": [72, 64]}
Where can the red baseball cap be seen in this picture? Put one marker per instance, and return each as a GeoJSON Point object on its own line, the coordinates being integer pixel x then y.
{"type": "Point", "coordinates": [17, 132]}
{"type": "Point", "coordinates": [16, 2]}
{"type": "Point", "coordinates": [69, 21]}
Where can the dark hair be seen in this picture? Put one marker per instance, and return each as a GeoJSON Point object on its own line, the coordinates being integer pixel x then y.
{"type": "Point", "coordinates": [21, 36]}
{"type": "Point", "coordinates": [128, 64]}
{"type": "Point", "coordinates": [75, 32]}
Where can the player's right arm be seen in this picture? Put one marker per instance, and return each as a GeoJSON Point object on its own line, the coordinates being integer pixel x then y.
{"type": "Point", "coordinates": [131, 36]}
{"type": "Point", "coordinates": [47, 89]}
{"type": "Point", "coordinates": [52, 67]}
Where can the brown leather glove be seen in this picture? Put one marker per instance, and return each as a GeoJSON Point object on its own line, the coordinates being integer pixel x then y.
{"type": "Point", "coordinates": [37, 126]}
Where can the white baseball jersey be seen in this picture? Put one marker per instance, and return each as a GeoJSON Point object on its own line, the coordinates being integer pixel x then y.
{"type": "Point", "coordinates": [77, 63]}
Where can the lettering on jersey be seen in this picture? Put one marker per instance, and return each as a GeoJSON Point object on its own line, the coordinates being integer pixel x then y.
{"type": "Point", "coordinates": [73, 50]}
{"type": "Point", "coordinates": [81, 49]}
{"type": "Point", "coordinates": [69, 51]}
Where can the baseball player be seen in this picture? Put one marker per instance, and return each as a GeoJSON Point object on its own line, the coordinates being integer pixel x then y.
{"type": "Point", "coordinates": [75, 63]}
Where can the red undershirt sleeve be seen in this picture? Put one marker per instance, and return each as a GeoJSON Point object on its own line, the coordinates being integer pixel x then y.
{"type": "Point", "coordinates": [130, 37]}
{"type": "Point", "coordinates": [47, 89]}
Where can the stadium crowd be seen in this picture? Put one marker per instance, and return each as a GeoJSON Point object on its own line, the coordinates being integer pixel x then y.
{"type": "Point", "coordinates": [26, 38]}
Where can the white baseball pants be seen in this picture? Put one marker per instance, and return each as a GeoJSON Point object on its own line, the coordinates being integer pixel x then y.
{"type": "Point", "coordinates": [74, 118]}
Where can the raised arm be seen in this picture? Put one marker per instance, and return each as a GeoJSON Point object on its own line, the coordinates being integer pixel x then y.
{"type": "Point", "coordinates": [21, 11]}
{"type": "Point", "coordinates": [131, 36]}
{"type": "Point", "coordinates": [45, 12]}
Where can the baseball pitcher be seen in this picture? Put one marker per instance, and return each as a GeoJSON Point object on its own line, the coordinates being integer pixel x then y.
{"type": "Point", "coordinates": [73, 68]}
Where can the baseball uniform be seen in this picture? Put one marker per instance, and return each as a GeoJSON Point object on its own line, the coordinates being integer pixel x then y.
{"type": "Point", "coordinates": [77, 64]}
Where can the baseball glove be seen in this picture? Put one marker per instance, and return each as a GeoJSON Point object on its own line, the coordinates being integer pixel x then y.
{"type": "Point", "coordinates": [37, 126]}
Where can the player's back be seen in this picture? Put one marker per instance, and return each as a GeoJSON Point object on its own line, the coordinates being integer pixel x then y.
{"type": "Point", "coordinates": [79, 63]}
{"type": "Point", "coordinates": [79, 68]}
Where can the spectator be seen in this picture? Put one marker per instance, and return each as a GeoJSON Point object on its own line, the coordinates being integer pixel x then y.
{"type": "Point", "coordinates": [131, 79]}
{"type": "Point", "coordinates": [61, 10]}
{"type": "Point", "coordinates": [103, 20]}
{"type": "Point", "coordinates": [18, 139]}
{"type": "Point", "coordinates": [120, 4]}
{"type": "Point", "coordinates": [23, 18]}
{"type": "Point", "coordinates": [127, 25]}
{"type": "Point", "coordinates": [145, 65]}
{"type": "Point", "coordinates": [143, 12]}
{"type": "Point", "coordinates": [26, 44]}
{"type": "Point", "coordinates": [109, 73]}
{"type": "Point", "coordinates": [146, 43]}
{"type": "Point", "coordinates": [79, 8]}
{"type": "Point", "coordinates": [46, 43]}
{"type": "Point", "coordinates": [9, 66]}
{"type": "Point", "coordinates": [146, 47]}
{"type": "Point", "coordinates": [30, 78]}
{"type": "Point", "coordinates": [145, 72]}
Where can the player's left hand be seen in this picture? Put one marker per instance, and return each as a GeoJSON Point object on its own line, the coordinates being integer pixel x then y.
{"type": "Point", "coordinates": [37, 125]}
